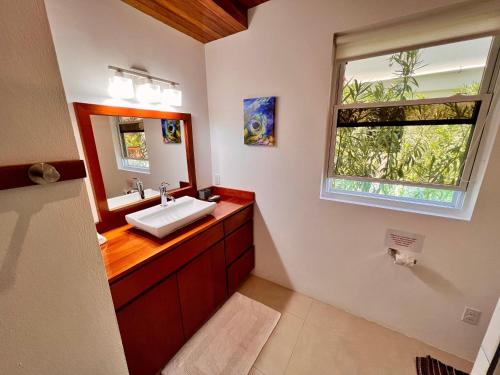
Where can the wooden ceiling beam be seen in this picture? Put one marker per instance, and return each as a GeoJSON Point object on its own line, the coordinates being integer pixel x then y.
{"type": "Point", "coordinates": [251, 3]}
{"type": "Point", "coordinates": [204, 20]}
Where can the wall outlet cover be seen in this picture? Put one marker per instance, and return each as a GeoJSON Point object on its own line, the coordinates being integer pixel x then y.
{"type": "Point", "coordinates": [471, 315]}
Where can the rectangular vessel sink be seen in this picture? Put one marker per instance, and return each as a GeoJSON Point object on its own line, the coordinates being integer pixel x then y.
{"type": "Point", "coordinates": [160, 221]}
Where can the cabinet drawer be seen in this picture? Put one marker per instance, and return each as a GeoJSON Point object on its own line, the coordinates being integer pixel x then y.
{"type": "Point", "coordinates": [238, 219]}
{"type": "Point", "coordinates": [238, 241]}
{"type": "Point", "coordinates": [240, 269]}
{"type": "Point", "coordinates": [138, 281]}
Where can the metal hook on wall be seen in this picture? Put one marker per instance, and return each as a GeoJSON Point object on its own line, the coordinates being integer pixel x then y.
{"type": "Point", "coordinates": [43, 173]}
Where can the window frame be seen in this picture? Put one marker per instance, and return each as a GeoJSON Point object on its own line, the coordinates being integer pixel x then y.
{"type": "Point", "coordinates": [478, 127]}
{"type": "Point", "coordinates": [464, 201]}
{"type": "Point", "coordinates": [120, 151]}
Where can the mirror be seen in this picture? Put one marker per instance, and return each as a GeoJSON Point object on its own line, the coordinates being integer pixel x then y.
{"type": "Point", "coordinates": [129, 152]}
{"type": "Point", "coordinates": [137, 154]}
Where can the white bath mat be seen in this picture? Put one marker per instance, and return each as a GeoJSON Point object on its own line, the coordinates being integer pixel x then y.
{"type": "Point", "coordinates": [229, 343]}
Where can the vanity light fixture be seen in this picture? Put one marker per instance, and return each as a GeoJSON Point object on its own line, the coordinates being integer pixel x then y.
{"type": "Point", "coordinates": [148, 89]}
{"type": "Point", "coordinates": [120, 87]}
{"type": "Point", "coordinates": [173, 96]}
{"type": "Point", "coordinates": [148, 92]}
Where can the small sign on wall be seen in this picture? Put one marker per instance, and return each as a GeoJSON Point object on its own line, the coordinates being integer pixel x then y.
{"type": "Point", "coordinates": [404, 241]}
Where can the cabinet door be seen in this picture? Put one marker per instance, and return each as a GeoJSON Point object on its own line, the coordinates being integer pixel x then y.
{"type": "Point", "coordinates": [151, 328]}
{"type": "Point", "coordinates": [202, 288]}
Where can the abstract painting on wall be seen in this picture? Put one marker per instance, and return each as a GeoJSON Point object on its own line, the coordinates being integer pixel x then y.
{"type": "Point", "coordinates": [259, 120]}
{"type": "Point", "coordinates": [171, 130]}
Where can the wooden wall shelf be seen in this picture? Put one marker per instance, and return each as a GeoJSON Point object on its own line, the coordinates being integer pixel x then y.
{"type": "Point", "coordinates": [16, 176]}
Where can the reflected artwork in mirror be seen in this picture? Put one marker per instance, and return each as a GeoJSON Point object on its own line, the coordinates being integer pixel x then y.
{"type": "Point", "coordinates": [171, 131]}
{"type": "Point", "coordinates": [130, 152]}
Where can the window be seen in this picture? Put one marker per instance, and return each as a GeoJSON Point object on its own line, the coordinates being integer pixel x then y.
{"type": "Point", "coordinates": [133, 149]}
{"type": "Point", "coordinates": [407, 126]}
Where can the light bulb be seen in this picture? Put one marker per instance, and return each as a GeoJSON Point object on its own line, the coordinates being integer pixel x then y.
{"type": "Point", "coordinates": [148, 92]}
{"type": "Point", "coordinates": [173, 96]}
{"type": "Point", "coordinates": [120, 87]}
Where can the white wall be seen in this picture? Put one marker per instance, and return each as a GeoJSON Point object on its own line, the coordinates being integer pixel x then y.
{"type": "Point", "coordinates": [329, 250]}
{"type": "Point", "coordinates": [167, 162]}
{"type": "Point", "coordinates": [56, 312]}
{"type": "Point", "coordinates": [90, 35]}
{"type": "Point", "coordinates": [486, 354]}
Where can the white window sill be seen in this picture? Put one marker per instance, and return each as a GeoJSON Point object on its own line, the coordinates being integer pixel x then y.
{"type": "Point", "coordinates": [135, 170]}
{"type": "Point", "coordinates": [399, 205]}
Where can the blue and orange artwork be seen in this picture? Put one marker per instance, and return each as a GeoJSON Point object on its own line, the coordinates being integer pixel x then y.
{"type": "Point", "coordinates": [259, 120]}
{"type": "Point", "coordinates": [171, 131]}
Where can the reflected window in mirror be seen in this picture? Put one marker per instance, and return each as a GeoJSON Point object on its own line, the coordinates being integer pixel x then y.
{"type": "Point", "coordinates": [132, 153]}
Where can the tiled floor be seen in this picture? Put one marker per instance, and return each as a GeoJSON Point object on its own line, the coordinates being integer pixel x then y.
{"type": "Point", "coordinates": [313, 338]}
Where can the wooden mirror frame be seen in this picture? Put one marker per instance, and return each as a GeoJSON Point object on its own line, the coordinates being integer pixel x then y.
{"type": "Point", "coordinates": [109, 219]}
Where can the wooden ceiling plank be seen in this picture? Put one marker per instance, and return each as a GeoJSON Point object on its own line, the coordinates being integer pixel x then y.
{"type": "Point", "coordinates": [166, 16]}
{"type": "Point", "coordinates": [208, 13]}
{"type": "Point", "coordinates": [216, 19]}
{"type": "Point", "coordinates": [247, 4]}
{"type": "Point", "coordinates": [238, 14]}
{"type": "Point", "coordinates": [204, 17]}
{"type": "Point", "coordinates": [203, 20]}
{"type": "Point", "coordinates": [170, 12]}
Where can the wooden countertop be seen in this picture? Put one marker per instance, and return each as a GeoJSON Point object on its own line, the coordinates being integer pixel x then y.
{"type": "Point", "coordinates": [128, 248]}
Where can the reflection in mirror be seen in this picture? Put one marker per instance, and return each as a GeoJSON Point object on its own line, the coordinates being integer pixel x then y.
{"type": "Point", "coordinates": [137, 154]}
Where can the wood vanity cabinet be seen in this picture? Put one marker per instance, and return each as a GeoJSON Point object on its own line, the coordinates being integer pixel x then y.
{"type": "Point", "coordinates": [162, 303]}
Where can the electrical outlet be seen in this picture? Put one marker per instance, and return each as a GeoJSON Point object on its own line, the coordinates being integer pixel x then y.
{"type": "Point", "coordinates": [217, 179]}
{"type": "Point", "coordinates": [471, 315]}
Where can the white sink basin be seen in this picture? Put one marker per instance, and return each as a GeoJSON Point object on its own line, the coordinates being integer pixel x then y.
{"type": "Point", "coordinates": [123, 200]}
{"type": "Point", "coordinates": [160, 221]}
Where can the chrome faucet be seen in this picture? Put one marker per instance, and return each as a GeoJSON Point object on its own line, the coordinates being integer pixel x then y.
{"type": "Point", "coordinates": [140, 187]}
{"type": "Point", "coordinates": [165, 197]}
